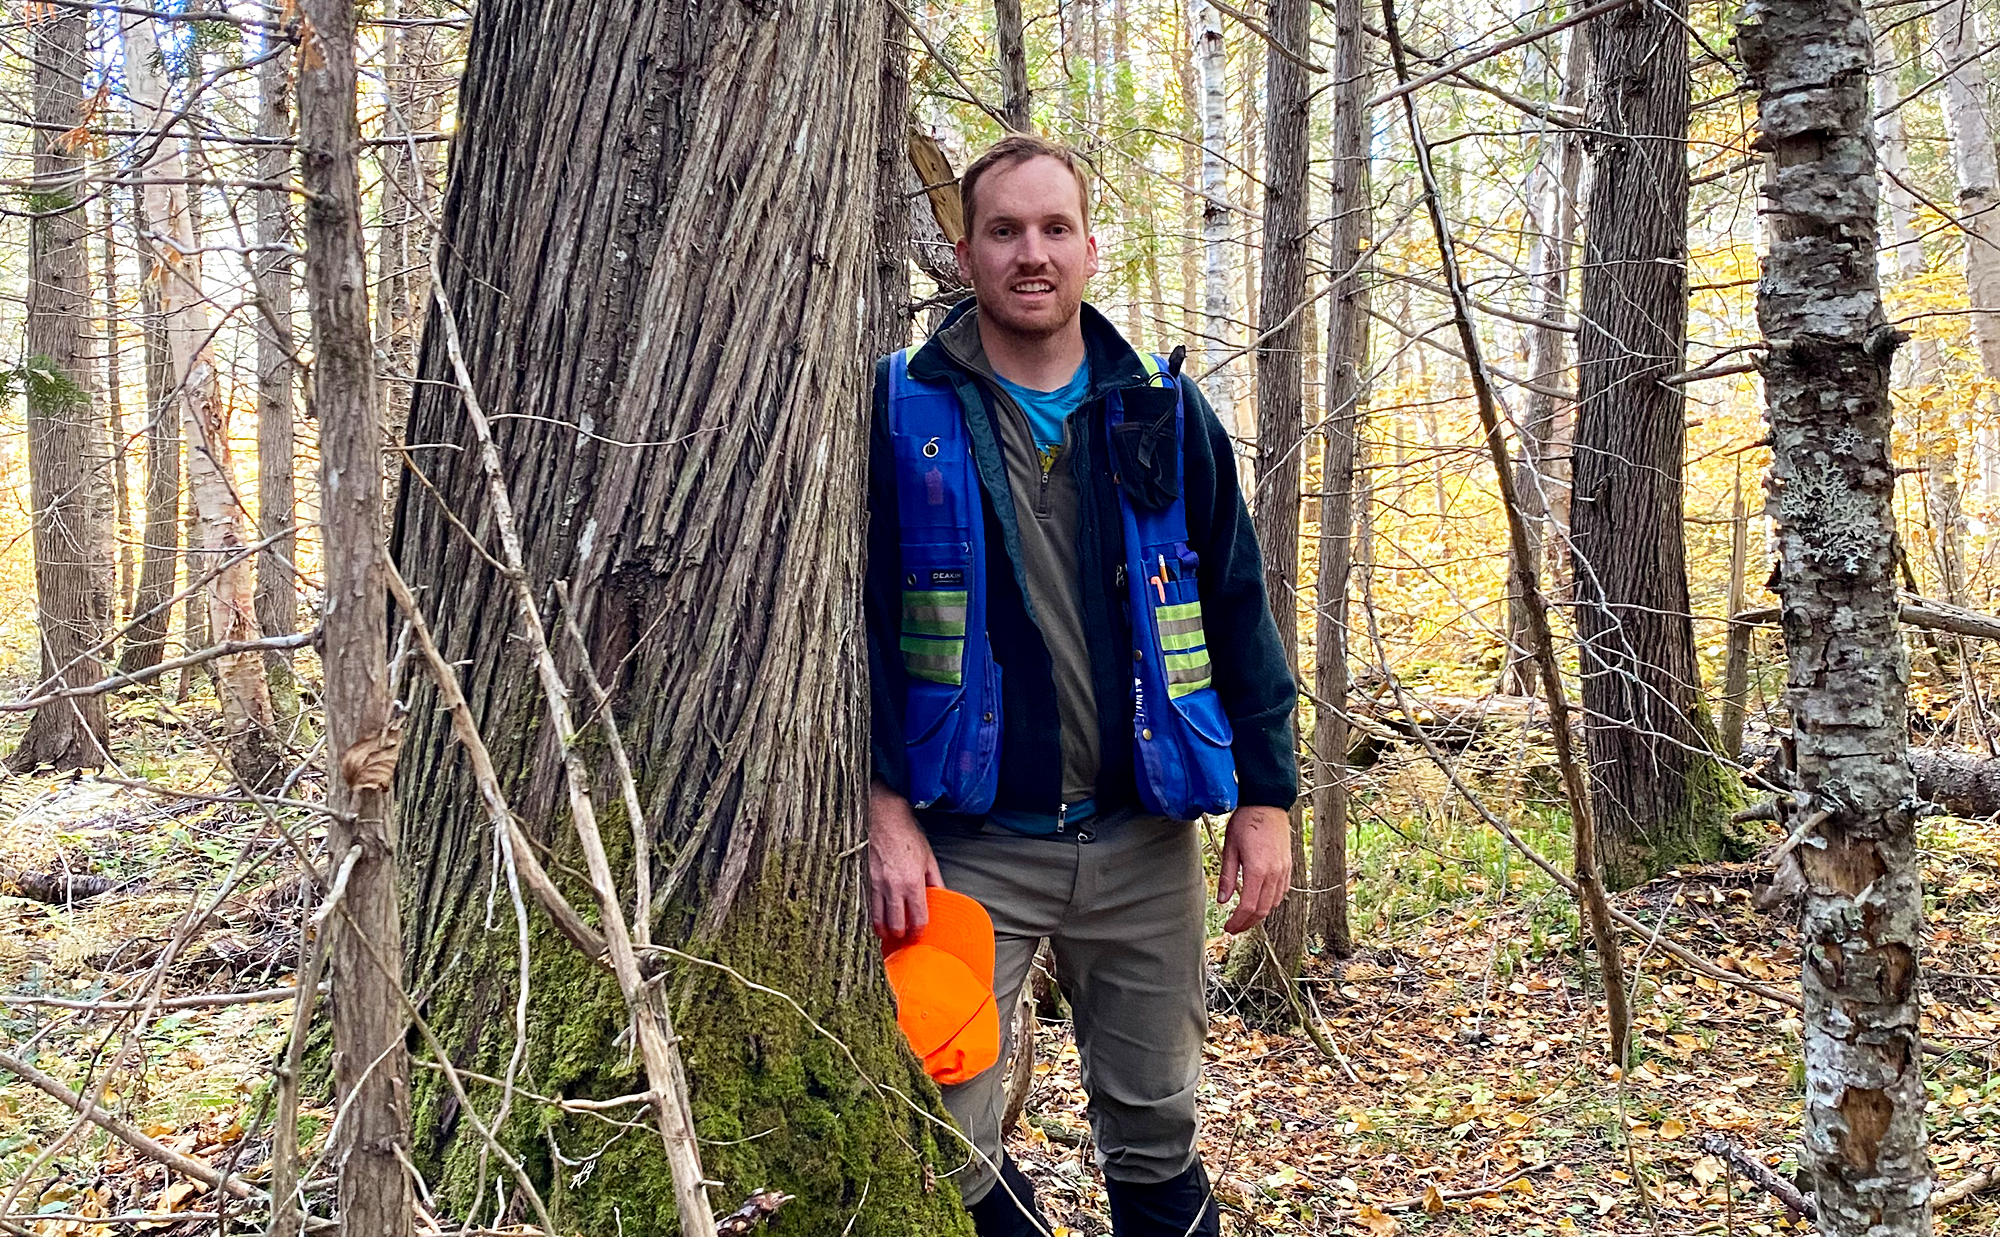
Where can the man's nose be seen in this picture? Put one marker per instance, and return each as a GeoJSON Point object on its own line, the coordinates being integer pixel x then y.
{"type": "Point", "coordinates": [1034, 248]}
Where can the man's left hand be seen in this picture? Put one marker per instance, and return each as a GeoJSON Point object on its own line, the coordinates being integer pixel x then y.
{"type": "Point", "coordinates": [1257, 861]}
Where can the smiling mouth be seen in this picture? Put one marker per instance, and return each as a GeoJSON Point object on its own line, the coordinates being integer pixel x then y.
{"type": "Point", "coordinates": [1033, 287]}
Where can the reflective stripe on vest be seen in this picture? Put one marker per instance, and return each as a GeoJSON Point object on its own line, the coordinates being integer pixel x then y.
{"type": "Point", "coordinates": [952, 705]}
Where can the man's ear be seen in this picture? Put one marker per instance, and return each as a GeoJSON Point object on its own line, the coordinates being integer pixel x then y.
{"type": "Point", "coordinates": [962, 250]}
{"type": "Point", "coordinates": [1091, 267]}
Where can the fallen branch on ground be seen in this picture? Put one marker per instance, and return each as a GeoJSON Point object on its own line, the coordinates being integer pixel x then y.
{"type": "Point", "coordinates": [55, 888]}
{"type": "Point", "coordinates": [1759, 1174]}
{"type": "Point", "coordinates": [1965, 1187]}
{"type": "Point", "coordinates": [199, 1000]}
{"type": "Point", "coordinates": [127, 1133]}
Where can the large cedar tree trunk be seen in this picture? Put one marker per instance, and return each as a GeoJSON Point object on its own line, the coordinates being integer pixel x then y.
{"type": "Point", "coordinates": [1658, 797]}
{"type": "Point", "coordinates": [1281, 441]}
{"type": "Point", "coordinates": [1826, 384]}
{"type": "Point", "coordinates": [66, 449]}
{"type": "Point", "coordinates": [659, 228]}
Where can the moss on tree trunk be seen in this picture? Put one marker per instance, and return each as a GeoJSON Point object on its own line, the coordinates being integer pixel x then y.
{"type": "Point", "coordinates": [1689, 823]}
{"type": "Point", "coordinates": [778, 1104]}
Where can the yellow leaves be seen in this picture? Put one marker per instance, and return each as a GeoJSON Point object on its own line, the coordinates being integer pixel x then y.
{"type": "Point", "coordinates": [1433, 1199]}
{"type": "Point", "coordinates": [1706, 1171]}
{"type": "Point", "coordinates": [1378, 1222]}
{"type": "Point", "coordinates": [1673, 1128]}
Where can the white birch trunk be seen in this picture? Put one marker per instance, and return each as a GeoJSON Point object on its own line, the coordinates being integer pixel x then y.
{"type": "Point", "coordinates": [1210, 61]}
{"type": "Point", "coordinates": [174, 265]}
{"type": "Point", "coordinates": [1943, 501]}
{"type": "Point", "coordinates": [1978, 172]}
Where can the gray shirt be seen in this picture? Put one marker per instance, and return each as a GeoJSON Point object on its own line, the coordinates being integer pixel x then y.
{"type": "Point", "coordinates": [1046, 501]}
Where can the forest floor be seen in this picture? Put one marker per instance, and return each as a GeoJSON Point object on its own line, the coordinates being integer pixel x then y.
{"type": "Point", "coordinates": [1471, 1094]}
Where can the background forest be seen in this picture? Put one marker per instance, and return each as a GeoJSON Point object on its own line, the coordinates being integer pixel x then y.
{"type": "Point", "coordinates": [1392, 241]}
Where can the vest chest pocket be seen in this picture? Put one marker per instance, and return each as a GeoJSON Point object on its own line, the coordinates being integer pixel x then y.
{"type": "Point", "coordinates": [937, 602]}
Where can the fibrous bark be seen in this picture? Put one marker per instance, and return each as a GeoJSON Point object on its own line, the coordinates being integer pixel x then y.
{"type": "Point", "coordinates": [1350, 235]}
{"type": "Point", "coordinates": [1016, 103]}
{"type": "Point", "coordinates": [67, 453]}
{"type": "Point", "coordinates": [1660, 797]}
{"type": "Point", "coordinates": [216, 540]}
{"type": "Point", "coordinates": [705, 315]}
{"type": "Point", "coordinates": [1279, 942]}
{"type": "Point", "coordinates": [1826, 383]}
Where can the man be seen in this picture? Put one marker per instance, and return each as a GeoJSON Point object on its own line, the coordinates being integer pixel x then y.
{"type": "Point", "coordinates": [1071, 657]}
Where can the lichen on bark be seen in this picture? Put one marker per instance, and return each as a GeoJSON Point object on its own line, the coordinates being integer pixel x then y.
{"type": "Point", "coordinates": [1826, 381]}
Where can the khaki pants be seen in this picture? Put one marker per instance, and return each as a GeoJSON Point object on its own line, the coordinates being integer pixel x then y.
{"type": "Point", "coordinates": [1123, 912]}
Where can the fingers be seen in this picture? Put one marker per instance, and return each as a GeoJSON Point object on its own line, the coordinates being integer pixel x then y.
{"type": "Point", "coordinates": [1263, 889]}
{"type": "Point", "coordinates": [1225, 885]}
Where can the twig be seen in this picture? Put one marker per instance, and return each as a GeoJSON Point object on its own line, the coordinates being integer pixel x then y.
{"type": "Point", "coordinates": [1588, 884]}
{"type": "Point", "coordinates": [199, 1000]}
{"type": "Point", "coordinates": [1487, 53]}
{"type": "Point", "coordinates": [487, 779]}
{"type": "Point", "coordinates": [125, 1132]}
{"type": "Point", "coordinates": [228, 648]}
{"type": "Point", "coordinates": [651, 1023]}
{"type": "Point", "coordinates": [1327, 1047]}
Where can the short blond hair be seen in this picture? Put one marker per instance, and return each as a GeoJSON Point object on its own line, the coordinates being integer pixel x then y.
{"type": "Point", "coordinates": [1015, 149]}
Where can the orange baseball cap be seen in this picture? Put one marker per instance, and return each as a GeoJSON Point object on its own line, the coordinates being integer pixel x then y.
{"type": "Point", "coordinates": [942, 975]}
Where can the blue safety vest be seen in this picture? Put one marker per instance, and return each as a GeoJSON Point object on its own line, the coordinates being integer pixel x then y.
{"type": "Point", "coordinates": [951, 715]}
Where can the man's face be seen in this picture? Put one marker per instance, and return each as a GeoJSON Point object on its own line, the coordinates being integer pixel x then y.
{"type": "Point", "coordinates": [1030, 253]}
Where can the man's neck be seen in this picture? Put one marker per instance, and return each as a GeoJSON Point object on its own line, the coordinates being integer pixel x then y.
{"type": "Point", "coordinates": [1043, 363]}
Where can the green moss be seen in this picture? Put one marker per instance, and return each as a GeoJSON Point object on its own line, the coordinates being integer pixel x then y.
{"type": "Point", "coordinates": [776, 1104]}
{"type": "Point", "coordinates": [1696, 830]}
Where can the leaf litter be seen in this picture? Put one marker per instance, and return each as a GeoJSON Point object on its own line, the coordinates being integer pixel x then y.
{"type": "Point", "coordinates": [1484, 1103]}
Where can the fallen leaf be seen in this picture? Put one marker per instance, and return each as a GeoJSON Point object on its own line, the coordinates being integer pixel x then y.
{"type": "Point", "coordinates": [1673, 1128]}
{"type": "Point", "coordinates": [1433, 1199]}
{"type": "Point", "coordinates": [1379, 1223]}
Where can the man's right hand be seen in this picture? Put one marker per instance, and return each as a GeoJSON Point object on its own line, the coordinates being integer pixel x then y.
{"type": "Point", "coordinates": [900, 864]}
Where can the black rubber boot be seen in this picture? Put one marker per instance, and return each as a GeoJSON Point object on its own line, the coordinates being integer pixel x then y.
{"type": "Point", "coordinates": [1183, 1206]}
{"type": "Point", "coordinates": [1000, 1215]}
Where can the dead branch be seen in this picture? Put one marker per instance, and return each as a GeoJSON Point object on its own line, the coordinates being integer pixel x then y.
{"type": "Point", "coordinates": [199, 1000]}
{"type": "Point", "coordinates": [1925, 612]}
{"type": "Point", "coordinates": [228, 648]}
{"type": "Point", "coordinates": [651, 1023]}
{"type": "Point", "coordinates": [127, 1133]}
{"type": "Point", "coordinates": [750, 1217]}
{"type": "Point", "coordinates": [521, 850]}
{"type": "Point", "coordinates": [1588, 885]}
{"type": "Point", "coordinates": [57, 888]}
{"type": "Point", "coordinates": [1965, 1187]}
{"type": "Point", "coordinates": [1759, 1174]}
